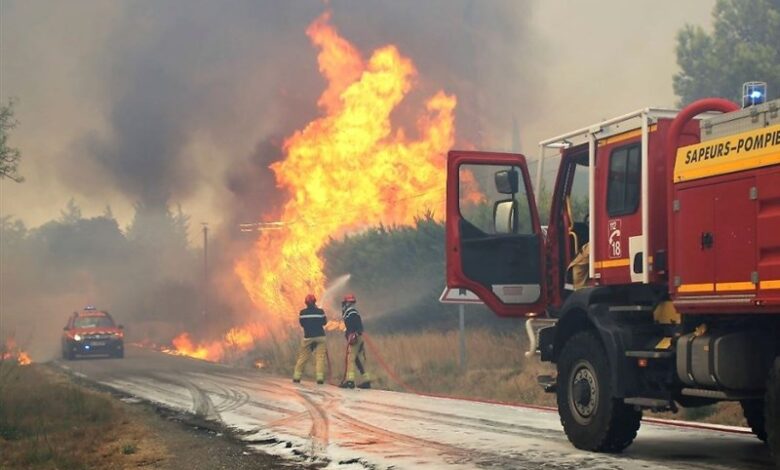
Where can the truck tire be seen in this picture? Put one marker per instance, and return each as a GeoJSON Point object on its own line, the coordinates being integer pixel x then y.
{"type": "Point", "coordinates": [591, 417]}
{"type": "Point", "coordinates": [754, 415]}
{"type": "Point", "coordinates": [772, 411]}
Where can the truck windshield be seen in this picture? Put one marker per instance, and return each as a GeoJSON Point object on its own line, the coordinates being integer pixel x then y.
{"type": "Point", "coordinates": [93, 322]}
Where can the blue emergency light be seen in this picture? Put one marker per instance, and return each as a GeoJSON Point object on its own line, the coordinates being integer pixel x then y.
{"type": "Point", "coordinates": [753, 93]}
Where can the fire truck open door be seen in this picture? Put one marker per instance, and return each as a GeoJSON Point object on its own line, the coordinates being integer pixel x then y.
{"type": "Point", "coordinates": [494, 240]}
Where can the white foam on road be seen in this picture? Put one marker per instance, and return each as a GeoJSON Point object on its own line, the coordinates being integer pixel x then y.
{"type": "Point", "coordinates": [370, 428]}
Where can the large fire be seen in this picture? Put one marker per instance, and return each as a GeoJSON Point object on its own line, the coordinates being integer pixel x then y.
{"type": "Point", "coordinates": [346, 170]}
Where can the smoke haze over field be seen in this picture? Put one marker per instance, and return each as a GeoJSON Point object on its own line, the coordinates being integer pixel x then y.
{"type": "Point", "coordinates": [149, 104]}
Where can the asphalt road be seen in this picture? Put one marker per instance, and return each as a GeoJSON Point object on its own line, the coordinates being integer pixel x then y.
{"type": "Point", "coordinates": [378, 429]}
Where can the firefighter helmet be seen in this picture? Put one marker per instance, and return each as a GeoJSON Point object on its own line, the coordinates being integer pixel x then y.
{"type": "Point", "coordinates": [310, 299]}
{"type": "Point", "coordinates": [350, 299]}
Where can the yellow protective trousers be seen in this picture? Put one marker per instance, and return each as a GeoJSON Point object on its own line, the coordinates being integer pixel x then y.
{"type": "Point", "coordinates": [317, 346]}
{"type": "Point", "coordinates": [356, 361]}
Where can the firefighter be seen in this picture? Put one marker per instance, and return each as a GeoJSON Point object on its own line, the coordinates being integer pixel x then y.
{"type": "Point", "coordinates": [356, 348]}
{"type": "Point", "coordinates": [312, 320]}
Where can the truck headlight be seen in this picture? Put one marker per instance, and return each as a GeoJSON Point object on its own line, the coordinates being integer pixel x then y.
{"type": "Point", "coordinates": [77, 337]}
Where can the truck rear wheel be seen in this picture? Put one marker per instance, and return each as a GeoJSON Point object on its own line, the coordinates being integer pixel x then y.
{"type": "Point", "coordinates": [591, 417]}
{"type": "Point", "coordinates": [772, 411]}
{"type": "Point", "coordinates": [754, 415]}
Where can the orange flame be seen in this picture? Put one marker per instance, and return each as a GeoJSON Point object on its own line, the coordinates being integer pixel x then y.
{"type": "Point", "coordinates": [236, 340]}
{"type": "Point", "coordinates": [23, 358]}
{"type": "Point", "coordinates": [12, 352]}
{"type": "Point", "coordinates": [348, 169]}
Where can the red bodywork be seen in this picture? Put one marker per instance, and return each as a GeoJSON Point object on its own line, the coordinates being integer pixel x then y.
{"type": "Point", "coordinates": [723, 233]}
{"type": "Point", "coordinates": [743, 263]}
{"type": "Point", "coordinates": [71, 330]}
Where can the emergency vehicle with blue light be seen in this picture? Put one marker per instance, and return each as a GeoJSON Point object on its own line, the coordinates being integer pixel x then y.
{"type": "Point", "coordinates": [92, 332]}
{"type": "Point", "coordinates": [656, 283]}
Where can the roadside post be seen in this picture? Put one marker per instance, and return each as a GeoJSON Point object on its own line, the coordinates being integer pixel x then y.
{"type": "Point", "coordinates": [461, 297]}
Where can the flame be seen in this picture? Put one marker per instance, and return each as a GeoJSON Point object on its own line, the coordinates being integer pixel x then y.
{"type": "Point", "coordinates": [348, 169]}
{"type": "Point", "coordinates": [23, 358]}
{"type": "Point", "coordinates": [12, 352]}
{"type": "Point", "coordinates": [236, 340]}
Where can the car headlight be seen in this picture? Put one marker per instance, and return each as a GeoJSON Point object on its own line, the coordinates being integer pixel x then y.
{"type": "Point", "coordinates": [77, 337]}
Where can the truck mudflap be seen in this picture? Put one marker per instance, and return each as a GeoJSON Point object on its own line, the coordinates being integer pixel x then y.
{"type": "Point", "coordinates": [616, 338]}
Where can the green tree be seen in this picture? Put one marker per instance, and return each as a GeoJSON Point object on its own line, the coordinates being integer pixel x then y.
{"type": "Point", "coordinates": [71, 214]}
{"type": "Point", "coordinates": [743, 46]}
{"type": "Point", "coordinates": [9, 156]}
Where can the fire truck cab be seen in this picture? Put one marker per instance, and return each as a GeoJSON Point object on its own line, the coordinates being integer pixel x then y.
{"type": "Point", "coordinates": [656, 280]}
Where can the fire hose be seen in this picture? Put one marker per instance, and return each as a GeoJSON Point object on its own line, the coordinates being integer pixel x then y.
{"type": "Point", "coordinates": [379, 359]}
{"type": "Point", "coordinates": [389, 371]}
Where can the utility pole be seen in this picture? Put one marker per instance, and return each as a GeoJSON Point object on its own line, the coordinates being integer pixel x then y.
{"type": "Point", "coordinates": [205, 269]}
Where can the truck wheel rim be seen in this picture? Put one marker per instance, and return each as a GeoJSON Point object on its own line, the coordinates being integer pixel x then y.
{"type": "Point", "coordinates": [583, 392]}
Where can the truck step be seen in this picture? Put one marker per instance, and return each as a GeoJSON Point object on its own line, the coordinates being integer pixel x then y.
{"type": "Point", "coordinates": [548, 383]}
{"type": "Point", "coordinates": [652, 354]}
{"type": "Point", "coordinates": [631, 308]}
{"type": "Point", "coordinates": [721, 395]}
{"type": "Point", "coordinates": [655, 404]}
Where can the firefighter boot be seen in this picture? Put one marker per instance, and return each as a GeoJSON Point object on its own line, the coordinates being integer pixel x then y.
{"type": "Point", "coordinates": [347, 384]}
{"type": "Point", "coordinates": [366, 384]}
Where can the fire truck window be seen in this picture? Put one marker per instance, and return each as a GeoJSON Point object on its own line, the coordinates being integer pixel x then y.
{"type": "Point", "coordinates": [579, 192]}
{"type": "Point", "coordinates": [623, 181]}
{"type": "Point", "coordinates": [478, 196]}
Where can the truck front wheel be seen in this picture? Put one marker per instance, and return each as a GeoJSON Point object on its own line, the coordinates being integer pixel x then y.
{"type": "Point", "coordinates": [592, 418]}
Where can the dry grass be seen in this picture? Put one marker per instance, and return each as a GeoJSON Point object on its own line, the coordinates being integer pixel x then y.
{"type": "Point", "coordinates": [497, 368]}
{"type": "Point", "coordinates": [428, 362]}
{"type": "Point", "coordinates": [48, 422]}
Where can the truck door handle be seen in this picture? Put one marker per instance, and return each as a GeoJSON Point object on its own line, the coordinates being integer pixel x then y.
{"type": "Point", "coordinates": [706, 240]}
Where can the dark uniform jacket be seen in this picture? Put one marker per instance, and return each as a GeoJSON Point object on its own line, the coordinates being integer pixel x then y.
{"type": "Point", "coordinates": [352, 321]}
{"type": "Point", "coordinates": [312, 320]}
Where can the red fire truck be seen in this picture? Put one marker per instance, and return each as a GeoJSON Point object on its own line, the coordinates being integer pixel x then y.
{"type": "Point", "coordinates": [656, 281]}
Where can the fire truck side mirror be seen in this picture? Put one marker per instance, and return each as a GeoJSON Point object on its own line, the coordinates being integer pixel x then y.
{"type": "Point", "coordinates": [507, 181]}
{"type": "Point", "coordinates": [505, 216]}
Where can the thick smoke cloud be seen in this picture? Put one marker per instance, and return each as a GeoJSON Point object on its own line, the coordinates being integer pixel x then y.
{"type": "Point", "coordinates": [183, 73]}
